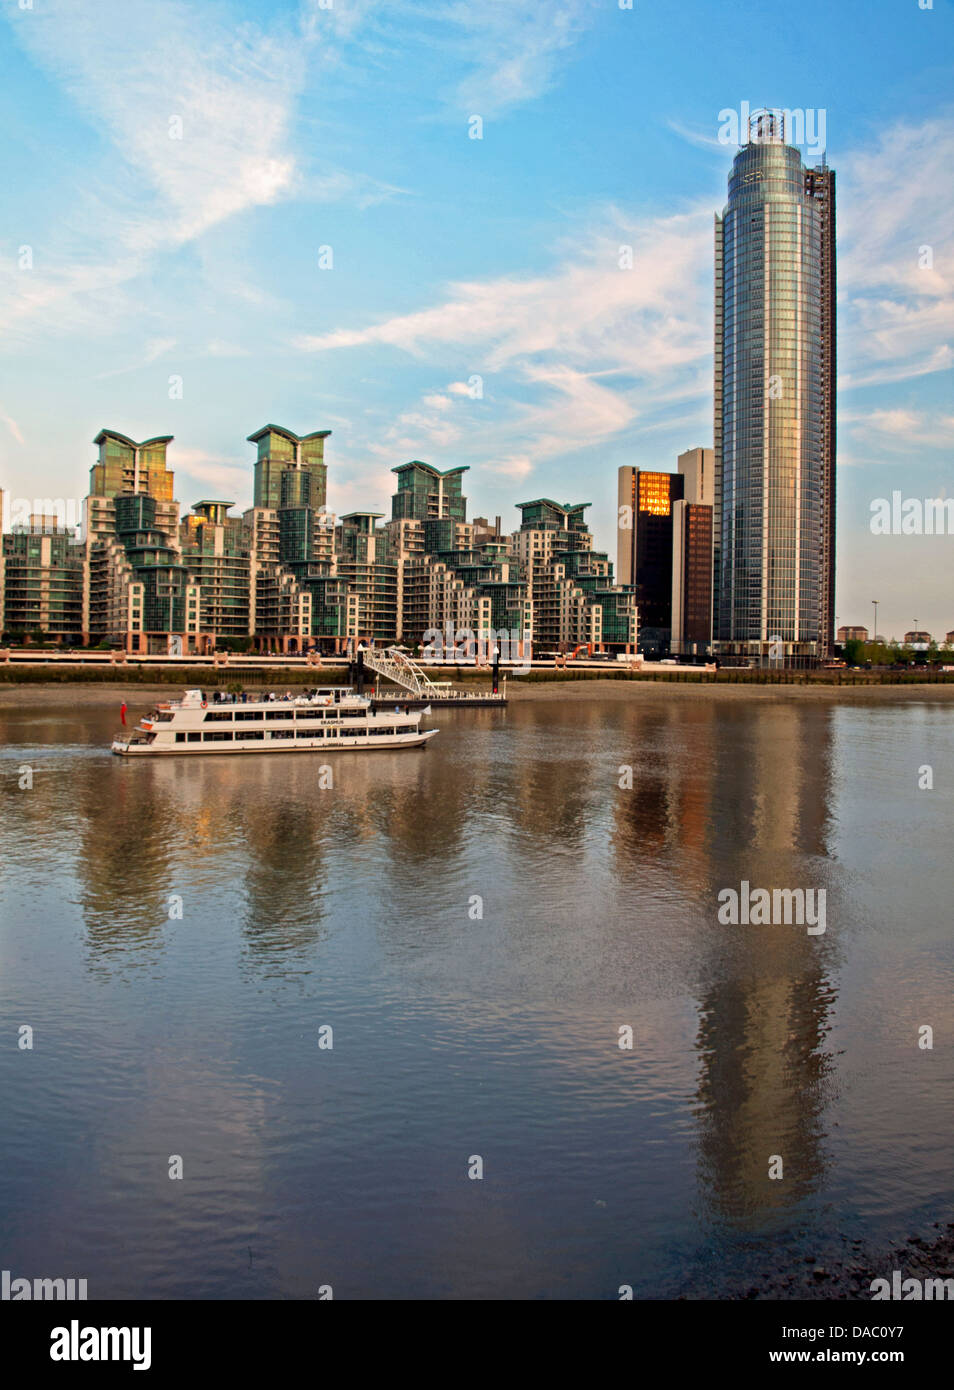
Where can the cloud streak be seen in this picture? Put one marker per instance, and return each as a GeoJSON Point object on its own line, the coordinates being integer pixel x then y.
{"type": "Point", "coordinates": [547, 337]}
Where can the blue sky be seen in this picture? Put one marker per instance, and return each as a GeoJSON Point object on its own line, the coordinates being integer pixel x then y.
{"type": "Point", "coordinates": [347, 127]}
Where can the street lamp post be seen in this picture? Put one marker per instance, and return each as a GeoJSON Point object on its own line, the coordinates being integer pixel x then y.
{"type": "Point", "coordinates": [875, 602]}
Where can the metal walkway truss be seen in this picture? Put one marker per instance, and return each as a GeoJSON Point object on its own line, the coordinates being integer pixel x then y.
{"type": "Point", "coordinates": [396, 666]}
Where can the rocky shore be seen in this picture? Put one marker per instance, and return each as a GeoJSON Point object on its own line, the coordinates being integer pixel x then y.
{"type": "Point", "coordinates": [849, 1273]}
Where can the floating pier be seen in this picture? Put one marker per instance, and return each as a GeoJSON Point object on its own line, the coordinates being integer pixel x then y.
{"type": "Point", "coordinates": [457, 699]}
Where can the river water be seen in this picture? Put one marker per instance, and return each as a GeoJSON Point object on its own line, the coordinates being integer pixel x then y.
{"type": "Point", "coordinates": [476, 923]}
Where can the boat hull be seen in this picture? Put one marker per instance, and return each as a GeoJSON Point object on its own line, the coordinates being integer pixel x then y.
{"type": "Point", "coordinates": [341, 744]}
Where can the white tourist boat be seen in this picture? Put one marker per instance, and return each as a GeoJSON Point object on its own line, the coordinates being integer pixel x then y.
{"type": "Point", "coordinates": [320, 720]}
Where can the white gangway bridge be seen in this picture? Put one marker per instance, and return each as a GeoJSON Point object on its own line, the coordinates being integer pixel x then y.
{"type": "Point", "coordinates": [396, 666]}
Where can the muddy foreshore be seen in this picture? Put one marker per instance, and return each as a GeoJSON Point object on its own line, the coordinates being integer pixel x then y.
{"type": "Point", "coordinates": [849, 1275]}
{"type": "Point", "coordinates": [136, 694]}
{"type": "Point", "coordinates": [771, 694]}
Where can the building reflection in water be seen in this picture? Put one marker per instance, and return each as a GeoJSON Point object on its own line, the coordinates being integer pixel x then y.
{"type": "Point", "coordinates": [664, 822]}
{"type": "Point", "coordinates": [721, 795]}
{"type": "Point", "coordinates": [125, 860]}
{"type": "Point", "coordinates": [556, 791]}
{"type": "Point", "coordinates": [212, 831]}
{"type": "Point", "coordinates": [766, 1005]}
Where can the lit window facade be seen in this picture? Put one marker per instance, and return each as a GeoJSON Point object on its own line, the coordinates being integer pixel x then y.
{"type": "Point", "coordinates": [774, 400]}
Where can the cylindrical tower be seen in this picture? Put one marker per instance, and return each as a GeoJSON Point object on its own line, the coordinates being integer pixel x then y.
{"type": "Point", "coordinates": [774, 413]}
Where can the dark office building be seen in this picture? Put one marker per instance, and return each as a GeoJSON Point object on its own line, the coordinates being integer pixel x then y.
{"type": "Point", "coordinates": [692, 526]}
{"type": "Point", "coordinates": [644, 551]}
{"type": "Point", "coordinates": [691, 579]}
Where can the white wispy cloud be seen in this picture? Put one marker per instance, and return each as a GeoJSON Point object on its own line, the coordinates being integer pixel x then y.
{"type": "Point", "coordinates": [11, 425]}
{"type": "Point", "coordinates": [222, 473]}
{"type": "Point", "coordinates": [939, 359]}
{"type": "Point", "coordinates": [514, 466]}
{"type": "Point", "coordinates": [155, 348]}
{"type": "Point", "coordinates": [517, 50]}
{"type": "Point", "coordinates": [197, 107]}
{"type": "Point", "coordinates": [503, 53]}
{"type": "Point", "coordinates": [703, 140]}
{"type": "Point", "coordinates": [217, 347]}
{"type": "Point", "coordinates": [568, 410]}
{"type": "Point", "coordinates": [544, 339]}
{"type": "Point", "coordinates": [552, 343]}
{"type": "Point", "coordinates": [650, 318]}
{"type": "Point", "coordinates": [338, 22]}
{"type": "Point", "coordinates": [896, 263]}
{"type": "Point", "coordinates": [197, 110]}
{"type": "Point", "coordinates": [900, 428]}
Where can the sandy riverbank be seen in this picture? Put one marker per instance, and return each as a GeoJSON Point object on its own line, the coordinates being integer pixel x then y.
{"type": "Point", "coordinates": [137, 696]}
{"type": "Point", "coordinates": [772, 694]}
{"type": "Point", "coordinates": [85, 696]}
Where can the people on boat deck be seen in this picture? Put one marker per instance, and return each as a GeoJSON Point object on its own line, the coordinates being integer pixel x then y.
{"type": "Point", "coordinates": [230, 697]}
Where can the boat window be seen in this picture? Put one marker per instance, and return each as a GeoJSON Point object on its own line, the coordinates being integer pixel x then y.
{"type": "Point", "coordinates": [219, 736]}
{"type": "Point", "coordinates": [283, 733]}
{"type": "Point", "coordinates": [249, 714]}
{"type": "Point", "coordinates": [215, 715]}
{"type": "Point", "coordinates": [180, 738]}
{"type": "Point", "coordinates": [251, 733]}
{"type": "Point", "coordinates": [280, 714]}
{"type": "Point", "coordinates": [194, 738]}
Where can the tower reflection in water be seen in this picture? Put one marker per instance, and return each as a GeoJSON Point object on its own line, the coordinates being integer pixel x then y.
{"type": "Point", "coordinates": [747, 799]}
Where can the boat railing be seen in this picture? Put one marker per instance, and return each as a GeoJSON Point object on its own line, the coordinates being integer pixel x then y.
{"type": "Point", "coordinates": [322, 699]}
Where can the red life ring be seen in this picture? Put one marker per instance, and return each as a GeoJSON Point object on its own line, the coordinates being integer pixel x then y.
{"type": "Point", "coordinates": [204, 703]}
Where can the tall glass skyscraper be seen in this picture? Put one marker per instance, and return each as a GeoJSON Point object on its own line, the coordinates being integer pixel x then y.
{"type": "Point", "coordinates": [774, 520]}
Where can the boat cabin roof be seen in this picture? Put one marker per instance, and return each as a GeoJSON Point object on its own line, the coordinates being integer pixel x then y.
{"type": "Point", "coordinates": [192, 699]}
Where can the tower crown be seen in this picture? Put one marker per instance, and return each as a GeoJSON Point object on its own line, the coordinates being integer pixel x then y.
{"type": "Point", "coordinates": [766, 127]}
